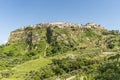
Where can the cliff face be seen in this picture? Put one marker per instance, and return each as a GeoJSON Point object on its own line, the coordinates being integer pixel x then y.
{"type": "Point", "coordinates": [16, 36]}
{"type": "Point", "coordinates": [41, 31]}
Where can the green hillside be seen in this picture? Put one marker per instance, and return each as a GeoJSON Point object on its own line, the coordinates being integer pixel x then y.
{"type": "Point", "coordinates": [52, 51]}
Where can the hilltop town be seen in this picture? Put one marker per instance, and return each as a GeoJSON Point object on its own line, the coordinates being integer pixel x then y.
{"type": "Point", "coordinates": [63, 25]}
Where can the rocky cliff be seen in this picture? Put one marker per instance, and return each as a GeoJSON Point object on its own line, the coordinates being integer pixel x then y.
{"type": "Point", "coordinates": [40, 30]}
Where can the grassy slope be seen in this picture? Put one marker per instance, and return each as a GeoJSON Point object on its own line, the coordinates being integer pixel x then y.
{"type": "Point", "coordinates": [20, 70]}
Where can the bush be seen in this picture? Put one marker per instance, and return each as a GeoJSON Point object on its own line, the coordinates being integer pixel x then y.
{"type": "Point", "coordinates": [41, 74]}
{"type": "Point", "coordinates": [5, 74]}
{"type": "Point", "coordinates": [110, 46]}
{"type": "Point", "coordinates": [108, 71]}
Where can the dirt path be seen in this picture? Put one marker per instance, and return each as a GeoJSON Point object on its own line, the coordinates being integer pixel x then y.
{"type": "Point", "coordinates": [106, 53]}
{"type": "Point", "coordinates": [45, 49]}
{"type": "Point", "coordinates": [70, 78]}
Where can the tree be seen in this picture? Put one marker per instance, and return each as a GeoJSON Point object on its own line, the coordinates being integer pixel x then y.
{"type": "Point", "coordinates": [29, 40]}
{"type": "Point", "coordinates": [49, 34]}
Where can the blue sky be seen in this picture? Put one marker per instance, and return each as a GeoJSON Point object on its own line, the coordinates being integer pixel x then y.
{"type": "Point", "coordinates": [18, 13]}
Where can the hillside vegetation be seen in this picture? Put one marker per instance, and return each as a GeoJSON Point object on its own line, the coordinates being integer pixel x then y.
{"type": "Point", "coordinates": [52, 51]}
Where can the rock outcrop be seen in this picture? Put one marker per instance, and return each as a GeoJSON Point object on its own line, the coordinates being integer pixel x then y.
{"type": "Point", "coordinates": [40, 31]}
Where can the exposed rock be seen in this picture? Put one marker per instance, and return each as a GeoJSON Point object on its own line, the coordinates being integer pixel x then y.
{"type": "Point", "coordinates": [38, 34]}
